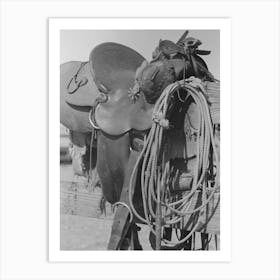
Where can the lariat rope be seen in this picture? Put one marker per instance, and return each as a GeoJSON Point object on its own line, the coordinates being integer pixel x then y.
{"type": "Point", "coordinates": [155, 173]}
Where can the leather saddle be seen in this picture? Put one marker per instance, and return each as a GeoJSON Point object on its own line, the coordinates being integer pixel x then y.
{"type": "Point", "coordinates": [110, 72]}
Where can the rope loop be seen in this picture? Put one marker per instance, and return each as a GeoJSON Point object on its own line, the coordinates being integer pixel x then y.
{"type": "Point", "coordinates": [158, 179]}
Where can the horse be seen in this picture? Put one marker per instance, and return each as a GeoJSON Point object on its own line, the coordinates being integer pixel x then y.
{"type": "Point", "coordinates": [122, 117]}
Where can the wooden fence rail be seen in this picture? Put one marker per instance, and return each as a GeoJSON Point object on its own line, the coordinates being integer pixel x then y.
{"type": "Point", "coordinates": [76, 199]}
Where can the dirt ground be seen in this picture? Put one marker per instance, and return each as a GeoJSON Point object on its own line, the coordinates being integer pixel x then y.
{"type": "Point", "coordinates": [84, 233]}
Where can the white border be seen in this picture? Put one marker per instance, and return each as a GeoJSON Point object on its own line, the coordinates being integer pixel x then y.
{"type": "Point", "coordinates": [55, 254]}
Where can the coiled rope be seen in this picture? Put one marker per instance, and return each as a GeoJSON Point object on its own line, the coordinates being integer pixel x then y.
{"type": "Point", "coordinates": [155, 173]}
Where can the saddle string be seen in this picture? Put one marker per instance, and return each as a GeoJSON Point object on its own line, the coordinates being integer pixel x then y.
{"type": "Point", "coordinates": [151, 175]}
{"type": "Point", "coordinates": [90, 156]}
{"type": "Point", "coordinates": [91, 117]}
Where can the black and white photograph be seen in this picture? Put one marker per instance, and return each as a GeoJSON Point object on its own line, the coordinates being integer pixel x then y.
{"type": "Point", "coordinates": [140, 140]}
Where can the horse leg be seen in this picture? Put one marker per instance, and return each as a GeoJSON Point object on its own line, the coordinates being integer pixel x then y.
{"type": "Point", "coordinates": [205, 240]}
{"type": "Point", "coordinates": [188, 243]}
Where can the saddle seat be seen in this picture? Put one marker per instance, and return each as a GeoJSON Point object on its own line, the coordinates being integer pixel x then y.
{"type": "Point", "coordinates": [113, 67]}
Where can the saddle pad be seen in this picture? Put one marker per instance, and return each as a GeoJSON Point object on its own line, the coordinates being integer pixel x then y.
{"type": "Point", "coordinates": [113, 66]}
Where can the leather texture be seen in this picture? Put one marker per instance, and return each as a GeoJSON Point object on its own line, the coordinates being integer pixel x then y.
{"type": "Point", "coordinates": [113, 67]}
{"type": "Point", "coordinates": [74, 108]}
{"type": "Point", "coordinates": [111, 70]}
{"type": "Point", "coordinates": [74, 76]}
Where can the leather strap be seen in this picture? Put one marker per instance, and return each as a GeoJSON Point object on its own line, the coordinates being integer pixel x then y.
{"type": "Point", "coordinates": [121, 224]}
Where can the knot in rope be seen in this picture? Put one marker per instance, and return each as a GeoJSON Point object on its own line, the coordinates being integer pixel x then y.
{"type": "Point", "coordinates": [158, 117]}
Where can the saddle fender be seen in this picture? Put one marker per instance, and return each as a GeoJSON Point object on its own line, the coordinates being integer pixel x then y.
{"type": "Point", "coordinates": [113, 154]}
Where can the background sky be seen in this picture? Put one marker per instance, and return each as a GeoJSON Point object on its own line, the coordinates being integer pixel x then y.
{"type": "Point", "coordinates": [77, 44]}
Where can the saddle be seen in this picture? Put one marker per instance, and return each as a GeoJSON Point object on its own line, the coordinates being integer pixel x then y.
{"type": "Point", "coordinates": [110, 72]}
{"type": "Point", "coordinates": [111, 75]}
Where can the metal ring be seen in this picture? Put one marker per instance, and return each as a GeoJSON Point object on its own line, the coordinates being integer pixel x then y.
{"type": "Point", "coordinates": [90, 120]}
{"type": "Point", "coordinates": [125, 205]}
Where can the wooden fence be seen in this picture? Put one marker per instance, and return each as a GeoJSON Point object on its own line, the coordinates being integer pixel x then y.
{"type": "Point", "coordinates": [77, 199]}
